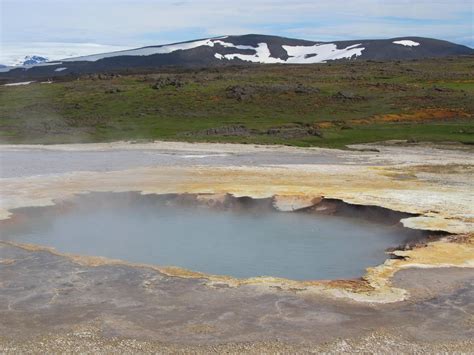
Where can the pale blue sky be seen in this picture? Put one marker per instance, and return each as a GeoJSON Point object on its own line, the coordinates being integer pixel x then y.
{"type": "Point", "coordinates": [72, 27]}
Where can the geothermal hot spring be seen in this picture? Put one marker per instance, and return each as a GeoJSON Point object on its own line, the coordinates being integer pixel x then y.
{"type": "Point", "coordinates": [241, 238]}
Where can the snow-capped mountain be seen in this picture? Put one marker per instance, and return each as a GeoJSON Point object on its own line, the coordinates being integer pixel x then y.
{"type": "Point", "coordinates": [257, 53]}
{"type": "Point", "coordinates": [32, 60]}
{"type": "Point", "coordinates": [247, 49]}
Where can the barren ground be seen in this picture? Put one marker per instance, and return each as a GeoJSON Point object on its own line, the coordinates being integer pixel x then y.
{"type": "Point", "coordinates": [51, 302]}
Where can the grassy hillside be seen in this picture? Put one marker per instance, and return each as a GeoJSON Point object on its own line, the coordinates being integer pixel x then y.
{"type": "Point", "coordinates": [323, 105]}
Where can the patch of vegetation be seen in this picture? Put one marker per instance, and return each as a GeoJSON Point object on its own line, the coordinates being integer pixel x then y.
{"type": "Point", "coordinates": [329, 105]}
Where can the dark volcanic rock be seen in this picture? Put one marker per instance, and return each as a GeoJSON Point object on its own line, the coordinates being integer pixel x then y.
{"type": "Point", "coordinates": [240, 93]}
{"type": "Point", "coordinates": [232, 130]}
{"type": "Point", "coordinates": [297, 131]}
{"type": "Point", "coordinates": [301, 89]}
{"type": "Point", "coordinates": [101, 76]}
{"type": "Point", "coordinates": [168, 81]}
{"type": "Point", "coordinates": [113, 91]}
{"type": "Point", "coordinates": [347, 95]}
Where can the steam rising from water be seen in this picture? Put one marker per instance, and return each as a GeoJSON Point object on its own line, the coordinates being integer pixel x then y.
{"type": "Point", "coordinates": [241, 242]}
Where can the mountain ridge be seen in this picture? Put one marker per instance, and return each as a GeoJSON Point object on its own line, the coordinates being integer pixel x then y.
{"type": "Point", "coordinates": [243, 50]}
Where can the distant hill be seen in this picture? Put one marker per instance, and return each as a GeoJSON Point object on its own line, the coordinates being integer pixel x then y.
{"type": "Point", "coordinates": [245, 49]}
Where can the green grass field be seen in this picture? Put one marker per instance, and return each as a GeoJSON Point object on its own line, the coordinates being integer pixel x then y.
{"type": "Point", "coordinates": [89, 109]}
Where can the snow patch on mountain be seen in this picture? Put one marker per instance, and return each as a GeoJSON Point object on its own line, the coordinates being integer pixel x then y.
{"type": "Point", "coordinates": [297, 54]}
{"type": "Point", "coordinates": [60, 69]}
{"type": "Point", "coordinates": [320, 53]}
{"type": "Point", "coordinates": [145, 51]}
{"type": "Point", "coordinates": [20, 83]}
{"type": "Point", "coordinates": [262, 55]}
{"type": "Point", "coordinates": [231, 45]}
{"type": "Point", "coordinates": [45, 64]}
{"type": "Point", "coordinates": [407, 43]}
{"type": "Point", "coordinates": [317, 53]}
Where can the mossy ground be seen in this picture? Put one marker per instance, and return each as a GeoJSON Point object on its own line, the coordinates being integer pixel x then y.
{"type": "Point", "coordinates": [88, 109]}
